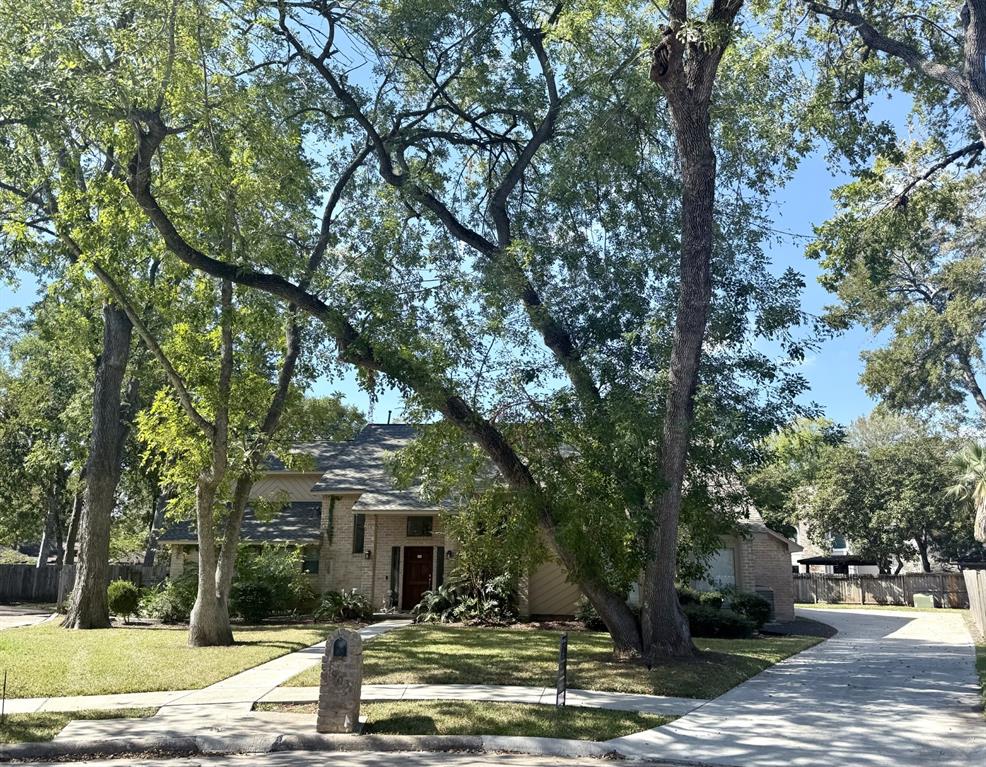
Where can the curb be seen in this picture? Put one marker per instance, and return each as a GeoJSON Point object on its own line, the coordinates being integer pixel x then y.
{"type": "Point", "coordinates": [52, 750]}
{"type": "Point", "coordinates": [205, 744]}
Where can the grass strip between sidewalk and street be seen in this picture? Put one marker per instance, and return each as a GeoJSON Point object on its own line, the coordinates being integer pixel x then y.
{"type": "Point", "coordinates": [46, 661]}
{"type": "Point", "coordinates": [481, 718]}
{"type": "Point", "coordinates": [429, 654]}
{"type": "Point", "coordinates": [34, 728]}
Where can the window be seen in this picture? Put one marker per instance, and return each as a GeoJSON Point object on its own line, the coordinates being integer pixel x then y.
{"type": "Point", "coordinates": [419, 527]}
{"type": "Point", "coordinates": [359, 533]}
{"type": "Point", "coordinates": [309, 560]}
{"type": "Point", "coordinates": [838, 542]}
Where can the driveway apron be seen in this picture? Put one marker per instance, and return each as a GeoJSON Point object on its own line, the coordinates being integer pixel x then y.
{"type": "Point", "coordinates": [891, 689]}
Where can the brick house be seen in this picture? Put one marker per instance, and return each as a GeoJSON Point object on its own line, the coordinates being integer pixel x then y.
{"type": "Point", "coordinates": [358, 530]}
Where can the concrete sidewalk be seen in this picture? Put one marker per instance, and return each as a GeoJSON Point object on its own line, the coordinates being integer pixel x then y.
{"type": "Point", "coordinates": [891, 689]}
{"type": "Point", "coordinates": [617, 701]}
{"type": "Point", "coordinates": [649, 704]}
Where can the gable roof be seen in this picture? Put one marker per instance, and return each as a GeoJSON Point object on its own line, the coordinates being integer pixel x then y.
{"type": "Point", "coordinates": [362, 465]}
{"type": "Point", "coordinates": [321, 452]}
{"type": "Point", "coordinates": [298, 522]}
{"type": "Point", "coordinates": [755, 524]}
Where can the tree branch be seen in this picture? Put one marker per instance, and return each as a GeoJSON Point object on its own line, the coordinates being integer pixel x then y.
{"type": "Point", "coordinates": [893, 47]}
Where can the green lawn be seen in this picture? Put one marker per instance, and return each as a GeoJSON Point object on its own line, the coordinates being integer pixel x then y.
{"type": "Point", "coordinates": [47, 660]}
{"type": "Point", "coordinates": [468, 718]}
{"type": "Point", "coordinates": [31, 728]}
{"type": "Point", "coordinates": [452, 655]}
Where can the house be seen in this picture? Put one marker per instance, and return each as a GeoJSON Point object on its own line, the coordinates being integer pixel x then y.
{"type": "Point", "coordinates": [837, 558]}
{"type": "Point", "coordinates": [757, 560]}
{"type": "Point", "coordinates": [358, 530]}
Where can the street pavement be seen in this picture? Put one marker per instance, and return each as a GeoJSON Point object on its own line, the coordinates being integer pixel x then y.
{"type": "Point", "coordinates": [14, 616]}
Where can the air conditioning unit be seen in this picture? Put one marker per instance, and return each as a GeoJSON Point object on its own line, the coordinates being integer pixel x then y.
{"type": "Point", "coordinates": [767, 594]}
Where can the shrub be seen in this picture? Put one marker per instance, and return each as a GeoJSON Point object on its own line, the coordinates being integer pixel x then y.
{"type": "Point", "coordinates": [752, 606]}
{"type": "Point", "coordinates": [587, 615]}
{"type": "Point", "coordinates": [344, 606]}
{"type": "Point", "coordinates": [706, 621]}
{"type": "Point", "coordinates": [252, 601]}
{"type": "Point", "coordinates": [711, 599]}
{"type": "Point", "coordinates": [171, 601]}
{"type": "Point", "coordinates": [493, 603]}
{"type": "Point", "coordinates": [687, 596]}
{"type": "Point", "coordinates": [279, 569]}
{"type": "Point", "coordinates": [123, 598]}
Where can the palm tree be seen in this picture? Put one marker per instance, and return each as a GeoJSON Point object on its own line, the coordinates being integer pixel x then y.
{"type": "Point", "coordinates": [970, 466]}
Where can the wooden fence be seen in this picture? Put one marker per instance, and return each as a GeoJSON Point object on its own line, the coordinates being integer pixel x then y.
{"type": "Point", "coordinates": [975, 584]}
{"type": "Point", "coordinates": [27, 583]}
{"type": "Point", "coordinates": [949, 589]}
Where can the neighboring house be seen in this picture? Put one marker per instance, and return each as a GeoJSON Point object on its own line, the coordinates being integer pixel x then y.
{"type": "Point", "coordinates": [358, 530]}
{"type": "Point", "coordinates": [837, 558]}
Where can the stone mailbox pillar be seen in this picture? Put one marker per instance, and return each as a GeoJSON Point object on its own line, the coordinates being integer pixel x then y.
{"type": "Point", "coordinates": [341, 683]}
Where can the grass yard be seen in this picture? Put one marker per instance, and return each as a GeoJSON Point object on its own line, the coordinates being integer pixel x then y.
{"type": "Point", "coordinates": [31, 728]}
{"type": "Point", "coordinates": [47, 660]}
{"type": "Point", "coordinates": [428, 654]}
{"type": "Point", "coordinates": [469, 718]}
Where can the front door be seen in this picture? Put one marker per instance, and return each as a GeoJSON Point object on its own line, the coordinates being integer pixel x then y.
{"type": "Point", "coordinates": [418, 566]}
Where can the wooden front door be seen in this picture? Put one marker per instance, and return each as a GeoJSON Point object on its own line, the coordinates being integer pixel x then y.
{"type": "Point", "coordinates": [418, 567]}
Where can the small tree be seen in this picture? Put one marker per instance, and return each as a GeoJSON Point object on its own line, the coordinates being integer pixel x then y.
{"type": "Point", "coordinates": [123, 598]}
{"type": "Point", "coordinates": [970, 467]}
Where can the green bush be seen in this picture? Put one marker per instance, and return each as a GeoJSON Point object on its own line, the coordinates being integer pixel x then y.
{"type": "Point", "coordinates": [493, 603]}
{"type": "Point", "coordinates": [279, 569]}
{"type": "Point", "coordinates": [688, 596]}
{"type": "Point", "coordinates": [753, 607]}
{"type": "Point", "coordinates": [711, 599]}
{"type": "Point", "coordinates": [252, 601]}
{"type": "Point", "coordinates": [123, 598]}
{"type": "Point", "coordinates": [344, 606]}
{"type": "Point", "coordinates": [171, 601]}
{"type": "Point", "coordinates": [706, 621]}
{"type": "Point", "coordinates": [587, 615]}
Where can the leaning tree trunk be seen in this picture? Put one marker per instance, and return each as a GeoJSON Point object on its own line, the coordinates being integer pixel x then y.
{"type": "Point", "coordinates": [89, 608]}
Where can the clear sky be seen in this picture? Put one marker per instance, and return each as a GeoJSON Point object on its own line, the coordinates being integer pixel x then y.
{"type": "Point", "coordinates": [833, 370]}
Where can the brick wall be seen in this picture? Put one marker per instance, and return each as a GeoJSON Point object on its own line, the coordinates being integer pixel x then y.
{"type": "Point", "coordinates": [773, 571]}
{"type": "Point", "coordinates": [340, 569]}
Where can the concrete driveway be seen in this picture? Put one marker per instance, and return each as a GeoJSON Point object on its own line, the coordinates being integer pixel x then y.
{"type": "Point", "coordinates": [891, 689]}
{"type": "Point", "coordinates": [12, 616]}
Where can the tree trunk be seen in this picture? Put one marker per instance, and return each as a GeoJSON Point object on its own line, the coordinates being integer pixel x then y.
{"type": "Point", "coordinates": [157, 520]}
{"type": "Point", "coordinates": [922, 545]}
{"type": "Point", "coordinates": [73, 523]}
{"type": "Point", "coordinates": [50, 532]}
{"type": "Point", "coordinates": [89, 608]}
{"type": "Point", "coordinates": [664, 625]}
{"type": "Point", "coordinates": [209, 625]}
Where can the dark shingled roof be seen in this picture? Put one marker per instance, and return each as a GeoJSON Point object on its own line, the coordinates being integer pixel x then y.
{"type": "Point", "coordinates": [363, 466]}
{"type": "Point", "coordinates": [298, 522]}
{"type": "Point", "coordinates": [321, 454]}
